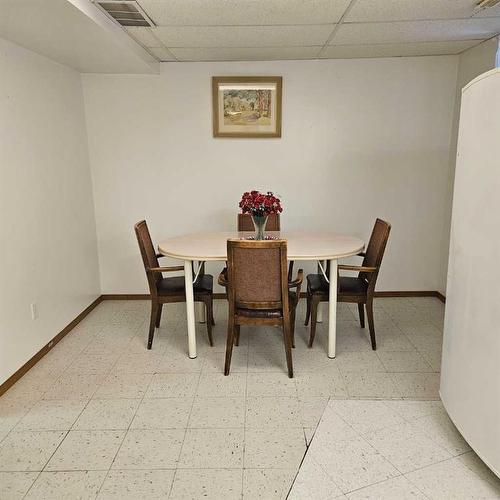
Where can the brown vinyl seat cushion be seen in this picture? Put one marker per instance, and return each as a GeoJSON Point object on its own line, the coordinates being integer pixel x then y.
{"type": "Point", "coordinates": [175, 285]}
{"type": "Point", "coordinates": [266, 313]}
{"type": "Point", "coordinates": [348, 285]}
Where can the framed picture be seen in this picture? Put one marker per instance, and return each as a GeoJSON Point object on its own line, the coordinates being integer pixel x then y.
{"type": "Point", "coordinates": [247, 106]}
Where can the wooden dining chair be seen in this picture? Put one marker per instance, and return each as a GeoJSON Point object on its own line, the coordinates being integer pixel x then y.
{"type": "Point", "coordinates": [245, 222]}
{"type": "Point", "coordinates": [359, 289]}
{"type": "Point", "coordinates": [170, 290]}
{"type": "Point", "coordinates": [259, 292]}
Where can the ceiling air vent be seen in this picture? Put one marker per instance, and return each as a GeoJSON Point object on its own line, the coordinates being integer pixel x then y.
{"type": "Point", "coordinates": [125, 12]}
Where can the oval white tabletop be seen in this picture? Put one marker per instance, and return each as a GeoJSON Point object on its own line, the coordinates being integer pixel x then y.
{"type": "Point", "coordinates": [303, 245]}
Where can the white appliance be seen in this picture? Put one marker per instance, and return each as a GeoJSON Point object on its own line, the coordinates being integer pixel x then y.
{"type": "Point", "coordinates": [470, 374]}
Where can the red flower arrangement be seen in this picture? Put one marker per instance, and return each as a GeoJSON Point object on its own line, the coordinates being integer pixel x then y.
{"type": "Point", "coordinates": [259, 204]}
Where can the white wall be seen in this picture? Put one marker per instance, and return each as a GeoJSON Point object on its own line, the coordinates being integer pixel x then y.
{"type": "Point", "coordinates": [361, 139]}
{"type": "Point", "coordinates": [471, 63]}
{"type": "Point", "coordinates": [48, 241]}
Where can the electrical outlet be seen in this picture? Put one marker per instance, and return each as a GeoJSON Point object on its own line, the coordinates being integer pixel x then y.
{"type": "Point", "coordinates": [34, 311]}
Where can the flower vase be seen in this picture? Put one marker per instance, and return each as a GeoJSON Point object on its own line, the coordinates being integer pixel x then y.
{"type": "Point", "coordinates": [259, 222]}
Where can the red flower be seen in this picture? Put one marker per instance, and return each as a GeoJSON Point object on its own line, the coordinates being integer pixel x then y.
{"type": "Point", "coordinates": [260, 204]}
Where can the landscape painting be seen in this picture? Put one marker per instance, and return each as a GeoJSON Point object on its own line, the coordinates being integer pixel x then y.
{"type": "Point", "coordinates": [247, 106]}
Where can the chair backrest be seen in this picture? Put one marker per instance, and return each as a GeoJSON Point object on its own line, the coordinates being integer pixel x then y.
{"type": "Point", "coordinates": [148, 254]}
{"type": "Point", "coordinates": [245, 222]}
{"type": "Point", "coordinates": [257, 274]}
{"type": "Point", "coordinates": [375, 250]}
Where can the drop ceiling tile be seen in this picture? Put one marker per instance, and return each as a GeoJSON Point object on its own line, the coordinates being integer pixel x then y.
{"type": "Point", "coordinates": [405, 10]}
{"type": "Point", "coordinates": [397, 49]}
{"type": "Point", "coordinates": [161, 53]}
{"type": "Point", "coordinates": [243, 36]}
{"type": "Point", "coordinates": [144, 36]}
{"type": "Point", "coordinates": [245, 54]}
{"type": "Point", "coordinates": [416, 31]}
{"type": "Point", "coordinates": [243, 12]}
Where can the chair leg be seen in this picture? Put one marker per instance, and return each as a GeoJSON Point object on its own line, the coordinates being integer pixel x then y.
{"type": "Point", "coordinates": [237, 335]}
{"type": "Point", "coordinates": [308, 311]}
{"type": "Point", "coordinates": [361, 310]}
{"type": "Point", "coordinates": [288, 345]}
{"type": "Point", "coordinates": [292, 327]}
{"type": "Point", "coordinates": [152, 322]}
{"type": "Point", "coordinates": [212, 319]}
{"type": "Point", "coordinates": [314, 318]}
{"type": "Point", "coordinates": [158, 316]}
{"type": "Point", "coordinates": [371, 324]}
{"type": "Point", "coordinates": [209, 315]}
{"type": "Point", "coordinates": [229, 343]}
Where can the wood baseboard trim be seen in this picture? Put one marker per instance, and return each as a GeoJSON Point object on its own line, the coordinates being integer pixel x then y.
{"type": "Point", "coordinates": [409, 293]}
{"type": "Point", "coordinates": [125, 296]}
{"type": "Point", "coordinates": [412, 293]}
{"type": "Point", "coordinates": [47, 347]}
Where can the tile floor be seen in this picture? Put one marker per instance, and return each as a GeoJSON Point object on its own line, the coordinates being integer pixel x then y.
{"type": "Point", "coordinates": [102, 417]}
{"type": "Point", "coordinates": [390, 449]}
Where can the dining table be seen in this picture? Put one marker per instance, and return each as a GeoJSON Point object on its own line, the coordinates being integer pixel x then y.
{"type": "Point", "coordinates": [320, 246]}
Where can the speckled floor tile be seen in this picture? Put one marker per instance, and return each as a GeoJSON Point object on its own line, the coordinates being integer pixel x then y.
{"type": "Point", "coordinates": [137, 484]}
{"type": "Point", "coordinates": [397, 488]}
{"type": "Point", "coordinates": [404, 361]}
{"type": "Point", "coordinates": [353, 463]}
{"type": "Point", "coordinates": [83, 485]}
{"type": "Point", "coordinates": [75, 386]}
{"type": "Point", "coordinates": [418, 385]}
{"type": "Point", "coordinates": [104, 414]}
{"type": "Point", "coordinates": [406, 447]}
{"type": "Point", "coordinates": [173, 385]}
{"type": "Point", "coordinates": [14, 485]}
{"type": "Point", "coordinates": [217, 413]}
{"type": "Point", "coordinates": [176, 362]}
{"type": "Point", "coordinates": [150, 449]}
{"type": "Point", "coordinates": [411, 410]}
{"type": "Point", "coordinates": [313, 483]}
{"type": "Point", "coordinates": [273, 412]}
{"type": "Point", "coordinates": [169, 413]}
{"type": "Point", "coordinates": [124, 385]}
{"type": "Point", "coordinates": [266, 448]}
{"type": "Point", "coordinates": [359, 362]}
{"type": "Point", "coordinates": [93, 363]}
{"type": "Point", "coordinates": [212, 448]}
{"type": "Point", "coordinates": [451, 479]}
{"type": "Point", "coordinates": [220, 386]}
{"type": "Point", "coordinates": [270, 385]}
{"type": "Point", "coordinates": [320, 384]}
{"type": "Point", "coordinates": [366, 416]}
{"type": "Point", "coordinates": [312, 409]}
{"type": "Point", "coordinates": [214, 361]}
{"type": "Point", "coordinates": [146, 362]}
{"type": "Point", "coordinates": [28, 450]}
{"type": "Point", "coordinates": [51, 415]}
{"type": "Point", "coordinates": [371, 385]}
{"type": "Point", "coordinates": [267, 484]}
{"type": "Point", "coordinates": [441, 430]}
{"type": "Point", "coordinates": [209, 484]}
{"type": "Point", "coordinates": [12, 411]}
{"type": "Point", "coordinates": [86, 450]}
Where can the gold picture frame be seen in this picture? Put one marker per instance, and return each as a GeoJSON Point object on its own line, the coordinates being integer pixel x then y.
{"type": "Point", "coordinates": [246, 106]}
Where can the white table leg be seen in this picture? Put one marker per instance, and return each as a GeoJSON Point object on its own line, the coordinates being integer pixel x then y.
{"type": "Point", "coordinates": [200, 312]}
{"type": "Point", "coordinates": [319, 314]}
{"type": "Point", "coordinates": [199, 306]}
{"type": "Point", "coordinates": [188, 277]}
{"type": "Point", "coordinates": [332, 309]}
